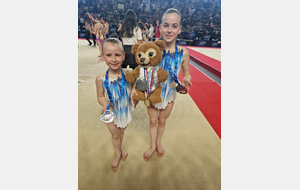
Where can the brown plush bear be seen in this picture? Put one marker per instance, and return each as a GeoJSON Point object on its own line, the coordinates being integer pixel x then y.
{"type": "Point", "coordinates": [148, 74]}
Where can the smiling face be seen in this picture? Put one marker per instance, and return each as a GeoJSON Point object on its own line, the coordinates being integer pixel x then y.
{"type": "Point", "coordinates": [170, 27]}
{"type": "Point", "coordinates": [113, 55]}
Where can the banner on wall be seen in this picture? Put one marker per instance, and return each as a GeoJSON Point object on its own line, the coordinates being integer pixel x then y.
{"type": "Point", "coordinates": [120, 6]}
{"type": "Point", "coordinates": [214, 44]}
{"type": "Point", "coordinates": [187, 35]}
{"type": "Point", "coordinates": [206, 37]}
{"type": "Point", "coordinates": [200, 43]}
{"type": "Point", "coordinates": [147, 3]}
{"type": "Point", "coordinates": [181, 42]}
{"type": "Point", "coordinates": [81, 34]}
{"type": "Point", "coordinates": [207, 43]}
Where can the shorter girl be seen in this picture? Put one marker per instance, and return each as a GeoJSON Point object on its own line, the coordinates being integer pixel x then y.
{"type": "Point", "coordinates": [113, 93]}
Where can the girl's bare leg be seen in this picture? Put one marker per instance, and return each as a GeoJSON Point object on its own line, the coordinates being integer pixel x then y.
{"type": "Point", "coordinates": [153, 114]}
{"type": "Point", "coordinates": [163, 116]}
{"type": "Point", "coordinates": [116, 140]}
{"type": "Point", "coordinates": [100, 48]}
{"type": "Point", "coordinates": [98, 43]}
{"type": "Point", "coordinates": [123, 152]}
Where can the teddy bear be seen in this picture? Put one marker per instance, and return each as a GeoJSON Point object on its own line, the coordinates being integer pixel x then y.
{"type": "Point", "coordinates": [148, 75]}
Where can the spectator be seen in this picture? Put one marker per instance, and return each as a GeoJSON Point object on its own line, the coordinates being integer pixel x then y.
{"type": "Point", "coordinates": [87, 32]}
{"type": "Point", "coordinates": [130, 34]}
{"type": "Point", "coordinates": [202, 12]}
{"type": "Point", "coordinates": [118, 30]}
{"type": "Point", "coordinates": [106, 24]}
{"type": "Point", "coordinates": [146, 28]}
{"type": "Point", "coordinates": [93, 32]}
{"type": "Point", "coordinates": [157, 30]}
{"type": "Point", "coordinates": [144, 33]}
{"type": "Point", "coordinates": [150, 32]}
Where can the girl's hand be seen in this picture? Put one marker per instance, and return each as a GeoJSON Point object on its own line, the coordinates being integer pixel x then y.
{"type": "Point", "coordinates": [103, 110]}
{"type": "Point", "coordinates": [186, 82]}
{"type": "Point", "coordinates": [133, 92]}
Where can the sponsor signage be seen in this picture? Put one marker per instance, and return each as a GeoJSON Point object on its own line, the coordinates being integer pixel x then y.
{"type": "Point", "coordinates": [181, 42]}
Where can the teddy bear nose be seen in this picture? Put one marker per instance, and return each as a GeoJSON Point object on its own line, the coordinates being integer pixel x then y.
{"type": "Point", "coordinates": [142, 59]}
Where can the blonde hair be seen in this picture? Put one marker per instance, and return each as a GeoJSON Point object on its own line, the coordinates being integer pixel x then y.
{"type": "Point", "coordinates": [171, 10]}
{"type": "Point", "coordinates": [113, 41]}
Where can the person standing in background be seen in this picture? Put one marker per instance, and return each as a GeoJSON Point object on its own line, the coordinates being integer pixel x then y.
{"type": "Point", "coordinates": [99, 32]}
{"type": "Point", "coordinates": [118, 30]}
{"type": "Point", "coordinates": [157, 30]}
{"type": "Point", "coordinates": [87, 28]}
{"type": "Point", "coordinates": [106, 27]}
{"type": "Point", "coordinates": [130, 34]}
{"type": "Point", "coordinates": [150, 32]}
{"type": "Point", "coordinates": [144, 33]}
{"type": "Point", "coordinates": [93, 34]}
{"type": "Point", "coordinates": [146, 28]}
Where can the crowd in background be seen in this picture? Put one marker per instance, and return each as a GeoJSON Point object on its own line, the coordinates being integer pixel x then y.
{"type": "Point", "coordinates": [199, 16]}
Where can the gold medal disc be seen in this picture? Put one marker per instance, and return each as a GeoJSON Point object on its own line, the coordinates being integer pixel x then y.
{"type": "Point", "coordinates": [147, 102]}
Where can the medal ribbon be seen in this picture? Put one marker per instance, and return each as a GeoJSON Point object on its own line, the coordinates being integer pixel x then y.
{"type": "Point", "coordinates": [109, 92]}
{"type": "Point", "coordinates": [174, 75]}
{"type": "Point", "coordinates": [146, 75]}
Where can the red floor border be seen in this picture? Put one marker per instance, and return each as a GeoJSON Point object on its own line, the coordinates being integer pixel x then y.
{"type": "Point", "coordinates": [206, 94]}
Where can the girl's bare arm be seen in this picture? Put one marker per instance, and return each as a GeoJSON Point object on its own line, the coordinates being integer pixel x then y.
{"type": "Point", "coordinates": [100, 94]}
{"type": "Point", "coordinates": [186, 69]}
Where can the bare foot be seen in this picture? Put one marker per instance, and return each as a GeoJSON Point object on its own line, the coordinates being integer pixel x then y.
{"type": "Point", "coordinates": [148, 154]}
{"type": "Point", "coordinates": [115, 163]}
{"type": "Point", "coordinates": [160, 150]}
{"type": "Point", "coordinates": [124, 154]}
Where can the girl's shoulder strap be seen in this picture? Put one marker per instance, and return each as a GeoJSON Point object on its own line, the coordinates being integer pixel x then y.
{"type": "Point", "coordinates": [181, 48]}
{"type": "Point", "coordinates": [102, 75]}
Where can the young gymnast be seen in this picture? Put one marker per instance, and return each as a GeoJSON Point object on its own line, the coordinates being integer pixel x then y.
{"type": "Point", "coordinates": [174, 59]}
{"type": "Point", "coordinates": [113, 93]}
{"type": "Point", "coordinates": [100, 28]}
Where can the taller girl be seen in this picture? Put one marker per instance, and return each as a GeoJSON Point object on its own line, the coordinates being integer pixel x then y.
{"type": "Point", "coordinates": [174, 58]}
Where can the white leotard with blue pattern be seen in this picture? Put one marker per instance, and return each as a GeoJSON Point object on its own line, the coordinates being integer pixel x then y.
{"type": "Point", "coordinates": [168, 93]}
{"type": "Point", "coordinates": [122, 108]}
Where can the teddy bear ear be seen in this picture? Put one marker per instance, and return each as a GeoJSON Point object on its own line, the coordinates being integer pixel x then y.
{"type": "Point", "coordinates": [161, 44]}
{"type": "Point", "coordinates": [134, 48]}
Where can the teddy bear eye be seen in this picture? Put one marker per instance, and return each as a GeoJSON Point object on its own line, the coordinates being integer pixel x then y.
{"type": "Point", "coordinates": [139, 55]}
{"type": "Point", "coordinates": [150, 54]}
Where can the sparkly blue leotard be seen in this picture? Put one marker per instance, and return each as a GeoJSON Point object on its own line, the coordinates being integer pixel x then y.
{"type": "Point", "coordinates": [168, 93]}
{"type": "Point", "coordinates": [122, 105]}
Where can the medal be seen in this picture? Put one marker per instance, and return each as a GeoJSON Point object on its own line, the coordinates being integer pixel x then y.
{"type": "Point", "coordinates": [107, 116]}
{"type": "Point", "coordinates": [148, 87]}
{"type": "Point", "coordinates": [141, 85]}
{"type": "Point", "coordinates": [147, 102]}
{"type": "Point", "coordinates": [181, 89]}
{"type": "Point", "coordinates": [111, 104]}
